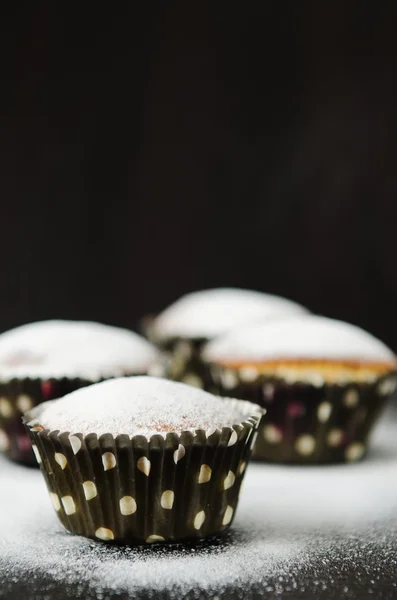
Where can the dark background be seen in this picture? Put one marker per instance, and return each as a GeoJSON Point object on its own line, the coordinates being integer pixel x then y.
{"type": "Point", "coordinates": [147, 151]}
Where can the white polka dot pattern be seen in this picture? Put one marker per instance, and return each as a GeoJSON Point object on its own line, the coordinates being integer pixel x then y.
{"type": "Point", "coordinates": [75, 442]}
{"type": "Point", "coordinates": [233, 438]}
{"type": "Point", "coordinates": [229, 480]}
{"type": "Point", "coordinates": [268, 391]}
{"type": "Point", "coordinates": [205, 474]}
{"type": "Point", "coordinates": [194, 380]}
{"type": "Point", "coordinates": [143, 464]}
{"type": "Point", "coordinates": [351, 398]}
{"type": "Point", "coordinates": [199, 520]}
{"type": "Point", "coordinates": [61, 460]}
{"type": "Point", "coordinates": [305, 444]}
{"type": "Point", "coordinates": [227, 517]}
{"type": "Point", "coordinates": [152, 539]}
{"type": "Point", "coordinates": [36, 453]}
{"type": "Point", "coordinates": [83, 508]}
{"type": "Point", "coordinates": [272, 434]}
{"type": "Point", "coordinates": [55, 501]}
{"type": "Point", "coordinates": [104, 534]}
{"type": "Point", "coordinates": [354, 451]}
{"type": "Point", "coordinates": [68, 504]}
{"type": "Point", "coordinates": [229, 379]}
{"type": "Point", "coordinates": [127, 505]}
{"type": "Point", "coordinates": [334, 438]}
{"type": "Point", "coordinates": [176, 366]}
{"type": "Point", "coordinates": [241, 467]}
{"type": "Point", "coordinates": [210, 432]}
{"type": "Point", "coordinates": [90, 490]}
{"type": "Point", "coordinates": [387, 386]}
{"type": "Point", "coordinates": [5, 408]}
{"type": "Point", "coordinates": [324, 411]}
{"type": "Point", "coordinates": [167, 499]}
{"type": "Point", "coordinates": [248, 374]}
{"type": "Point", "coordinates": [24, 403]}
{"type": "Point", "coordinates": [108, 461]}
{"type": "Point", "coordinates": [179, 453]}
{"type": "Point", "coordinates": [157, 370]}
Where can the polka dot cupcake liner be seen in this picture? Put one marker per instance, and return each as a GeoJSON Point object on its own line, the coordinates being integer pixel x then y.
{"type": "Point", "coordinates": [18, 396]}
{"type": "Point", "coordinates": [304, 423]}
{"type": "Point", "coordinates": [181, 361]}
{"type": "Point", "coordinates": [142, 490]}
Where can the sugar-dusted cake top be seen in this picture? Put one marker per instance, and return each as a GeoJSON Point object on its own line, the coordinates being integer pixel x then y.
{"type": "Point", "coordinates": [140, 405]}
{"type": "Point", "coordinates": [299, 337]}
{"type": "Point", "coordinates": [208, 313]}
{"type": "Point", "coordinates": [72, 349]}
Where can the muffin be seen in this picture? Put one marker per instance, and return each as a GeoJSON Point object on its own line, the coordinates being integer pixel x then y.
{"type": "Point", "coordinates": [323, 383]}
{"type": "Point", "coordinates": [183, 328]}
{"type": "Point", "coordinates": [143, 459]}
{"type": "Point", "coordinates": [49, 359]}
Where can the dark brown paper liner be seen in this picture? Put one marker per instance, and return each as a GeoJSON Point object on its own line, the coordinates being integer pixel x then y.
{"type": "Point", "coordinates": [20, 395]}
{"type": "Point", "coordinates": [16, 397]}
{"type": "Point", "coordinates": [304, 423]}
{"type": "Point", "coordinates": [180, 359]}
{"type": "Point", "coordinates": [167, 502]}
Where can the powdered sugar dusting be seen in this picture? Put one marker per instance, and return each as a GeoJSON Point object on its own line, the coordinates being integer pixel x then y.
{"type": "Point", "coordinates": [141, 405]}
{"type": "Point", "coordinates": [304, 336]}
{"type": "Point", "coordinates": [73, 349]}
{"type": "Point", "coordinates": [297, 529]}
{"type": "Point", "coordinates": [211, 312]}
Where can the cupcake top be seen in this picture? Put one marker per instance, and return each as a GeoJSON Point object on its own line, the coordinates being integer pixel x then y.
{"type": "Point", "coordinates": [140, 406]}
{"type": "Point", "coordinates": [72, 349]}
{"type": "Point", "coordinates": [209, 313]}
{"type": "Point", "coordinates": [302, 343]}
{"type": "Point", "coordinates": [306, 336]}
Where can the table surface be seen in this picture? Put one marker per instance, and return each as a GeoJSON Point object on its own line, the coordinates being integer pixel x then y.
{"type": "Point", "coordinates": [300, 532]}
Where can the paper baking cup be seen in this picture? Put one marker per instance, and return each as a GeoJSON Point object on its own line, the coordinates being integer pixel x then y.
{"type": "Point", "coordinates": [304, 423]}
{"type": "Point", "coordinates": [18, 396]}
{"type": "Point", "coordinates": [181, 360]}
{"type": "Point", "coordinates": [141, 490]}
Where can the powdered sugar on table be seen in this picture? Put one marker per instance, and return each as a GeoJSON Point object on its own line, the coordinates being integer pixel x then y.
{"type": "Point", "coordinates": [298, 530]}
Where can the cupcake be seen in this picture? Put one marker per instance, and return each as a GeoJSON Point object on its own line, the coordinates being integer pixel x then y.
{"type": "Point", "coordinates": [49, 359]}
{"type": "Point", "coordinates": [183, 328]}
{"type": "Point", "coordinates": [323, 383]}
{"type": "Point", "coordinates": [143, 459]}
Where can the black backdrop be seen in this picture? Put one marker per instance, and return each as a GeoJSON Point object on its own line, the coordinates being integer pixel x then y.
{"type": "Point", "coordinates": [152, 150]}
